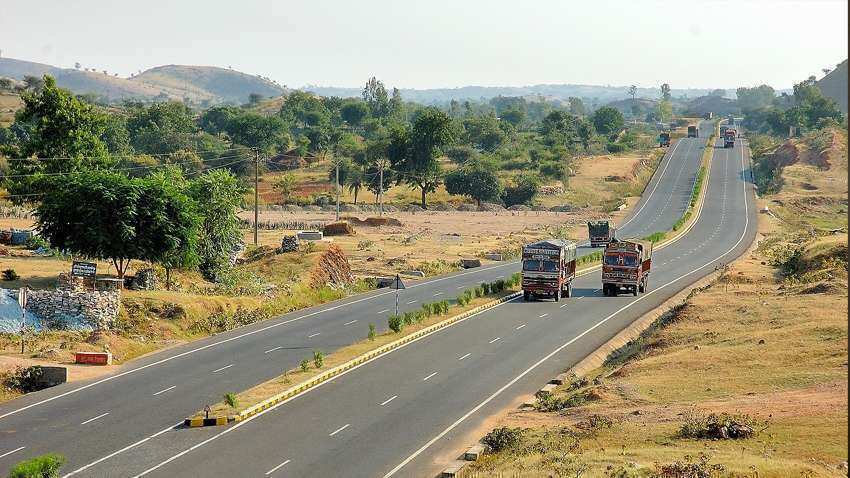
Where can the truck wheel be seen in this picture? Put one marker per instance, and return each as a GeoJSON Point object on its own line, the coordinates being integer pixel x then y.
{"type": "Point", "coordinates": [525, 295]}
{"type": "Point", "coordinates": [557, 295]}
{"type": "Point", "coordinates": [641, 288]}
{"type": "Point", "coordinates": [645, 285]}
{"type": "Point", "coordinates": [569, 291]}
{"type": "Point", "coordinates": [605, 290]}
{"type": "Point", "coordinates": [635, 291]}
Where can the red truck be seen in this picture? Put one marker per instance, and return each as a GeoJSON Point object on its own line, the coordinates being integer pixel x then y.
{"type": "Point", "coordinates": [729, 137]}
{"type": "Point", "coordinates": [625, 266]}
{"type": "Point", "coordinates": [548, 269]}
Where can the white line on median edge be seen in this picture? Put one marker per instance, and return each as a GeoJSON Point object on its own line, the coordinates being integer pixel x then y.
{"type": "Point", "coordinates": [13, 451]}
{"type": "Point", "coordinates": [495, 340]}
{"type": "Point", "coordinates": [95, 418]}
{"type": "Point", "coordinates": [222, 368]}
{"type": "Point", "coordinates": [313, 335]}
{"type": "Point", "coordinates": [167, 389]}
{"type": "Point", "coordinates": [350, 322]}
{"type": "Point", "coordinates": [132, 445]}
{"type": "Point", "coordinates": [277, 468]}
{"type": "Point", "coordinates": [574, 339]}
{"type": "Point", "coordinates": [383, 311]}
{"type": "Point", "coordinates": [520, 326]}
{"type": "Point", "coordinates": [429, 376]}
{"type": "Point", "coordinates": [463, 357]}
{"type": "Point", "coordinates": [272, 350]}
{"type": "Point", "coordinates": [340, 429]}
{"type": "Point", "coordinates": [389, 400]}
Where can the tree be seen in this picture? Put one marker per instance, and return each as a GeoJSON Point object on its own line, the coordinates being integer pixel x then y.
{"type": "Point", "coordinates": [285, 186]}
{"type": "Point", "coordinates": [93, 214]}
{"type": "Point", "coordinates": [633, 92]}
{"type": "Point", "coordinates": [218, 196]}
{"type": "Point", "coordinates": [44, 466]}
{"type": "Point", "coordinates": [354, 112]}
{"type": "Point", "coordinates": [268, 133]}
{"type": "Point", "coordinates": [514, 116]}
{"type": "Point", "coordinates": [577, 106]}
{"type": "Point", "coordinates": [522, 191]}
{"type": "Point", "coordinates": [665, 92]}
{"type": "Point", "coordinates": [217, 119]}
{"type": "Point", "coordinates": [396, 105]}
{"type": "Point", "coordinates": [413, 151]}
{"type": "Point", "coordinates": [160, 128]}
{"type": "Point", "coordinates": [167, 222]}
{"type": "Point", "coordinates": [665, 110]}
{"type": "Point", "coordinates": [115, 135]}
{"type": "Point", "coordinates": [34, 83]}
{"type": "Point", "coordinates": [254, 99]}
{"type": "Point", "coordinates": [477, 180]}
{"type": "Point", "coordinates": [608, 121]}
{"type": "Point", "coordinates": [375, 94]}
{"type": "Point", "coordinates": [64, 132]}
{"type": "Point", "coordinates": [756, 98]}
{"type": "Point", "coordinates": [484, 132]}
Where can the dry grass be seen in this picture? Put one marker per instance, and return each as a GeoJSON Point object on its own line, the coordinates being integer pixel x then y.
{"type": "Point", "coordinates": [9, 104]}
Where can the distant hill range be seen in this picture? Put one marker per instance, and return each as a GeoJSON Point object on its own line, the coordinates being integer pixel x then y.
{"type": "Point", "coordinates": [204, 85]}
{"type": "Point", "coordinates": [601, 94]}
{"type": "Point", "coordinates": [834, 85]}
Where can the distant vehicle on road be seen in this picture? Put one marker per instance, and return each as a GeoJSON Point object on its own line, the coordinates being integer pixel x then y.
{"type": "Point", "coordinates": [664, 140]}
{"type": "Point", "coordinates": [723, 130]}
{"type": "Point", "coordinates": [709, 115]}
{"type": "Point", "coordinates": [625, 266]}
{"type": "Point", "coordinates": [730, 120]}
{"type": "Point", "coordinates": [600, 233]}
{"type": "Point", "coordinates": [548, 269]}
{"type": "Point", "coordinates": [729, 137]}
{"type": "Point", "coordinates": [693, 132]}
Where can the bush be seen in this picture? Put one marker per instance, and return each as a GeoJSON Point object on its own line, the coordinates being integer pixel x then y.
{"type": "Point", "coordinates": [615, 147]}
{"type": "Point", "coordinates": [372, 333]}
{"type": "Point", "coordinates": [25, 379]}
{"type": "Point", "coordinates": [718, 427]}
{"type": "Point", "coordinates": [522, 191]}
{"type": "Point", "coordinates": [516, 279]}
{"type": "Point", "coordinates": [552, 169]}
{"type": "Point", "coordinates": [231, 400]}
{"type": "Point", "coordinates": [305, 365]}
{"type": "Point", "coordinates": [485, 286]}
{"type": "Point", "coordinates": [44, 466]}
{"type": "Point", "coordinates": [502, 438]}
{"type": "Point", "coordinates": [395, 323]}
{"type": "Point", "coordinates": [10, 274]}
{"type": "Point", "coordinates": [318, 358]}
{"type": "Point", "coordinates": [479, 292]}
{"type": "Point", "coordinates": [37, 242]}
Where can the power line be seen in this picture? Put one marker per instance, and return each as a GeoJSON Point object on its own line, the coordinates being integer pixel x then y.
{"type": "Point", "coordinates": [135, 168]}
{"type": "Point", "coordinates": [135, 155]}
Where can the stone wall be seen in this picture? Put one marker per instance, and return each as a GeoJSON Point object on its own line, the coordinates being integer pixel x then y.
{"type": "Point", "coordinates": [64, 309]}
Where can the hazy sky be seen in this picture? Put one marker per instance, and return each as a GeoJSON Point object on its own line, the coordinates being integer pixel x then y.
{"type": "Point", "coordinates": [442, 43]}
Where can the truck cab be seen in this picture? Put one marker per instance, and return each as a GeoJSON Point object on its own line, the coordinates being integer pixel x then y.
{"type": "Point", "coordinates": [600, 233]}
{"type": "Point", "coordinates": [693, 132]}
{"type": "Point", "coordinates": [626, 266]}
{"type": "Point", "coordinates": [548, 269]}
{"type": "Point", "coordinates": [664, 140]}
{"type": "Point", "coordinates": [729, 136]}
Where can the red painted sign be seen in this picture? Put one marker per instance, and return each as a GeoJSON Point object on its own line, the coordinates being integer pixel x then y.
{"type": "Point", "coordinates": [93, 358]}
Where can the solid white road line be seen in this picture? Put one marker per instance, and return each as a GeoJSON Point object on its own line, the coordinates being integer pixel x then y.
{"type": "Point", "coordinates": [460, 287]}
{"type": "Point", "coordinates": [438, 293]}
{"type": "Point", "coordinates": [564, 305]}
{"type": "Point", "coordinates": [277, 468]}
{"type": "Point", "coordinates": [13, 451]}
{"type": "Point", "coordinates": [520, 326]}
{"type": "Point", "coordinates": [495, 340]}
{"type": "Point", "coordinates": [167, 389]}
{"type": "Point", "coordinates": [350, 322]}
{"type": "Point", "coordinates": [544, 315]}
{"type": "Point", "coordinates": [143, 440]}
{"type": "Point", "coordinates": [574, 339]}
{"type": "Point", "coordinates": [383, 311]}
{"type": "Point", "coordinates": [222, 368]}
{"type": "Point", "coordinates": [272, 350]}
{"type": "Point", "coordinates": [340, 429]}
{"type": "Point", "coordinates": [429, 376]}
{"type": "Point", "coordinates": [95, 418]}
{"type": "Point", "coordinates": [389, 400]}
{"type": "Point", "coordinates": [463, 357]}
{"type": "Point", "coordinates": [313, 335]}
{"type": "Point", "coordinates": [411, 302]}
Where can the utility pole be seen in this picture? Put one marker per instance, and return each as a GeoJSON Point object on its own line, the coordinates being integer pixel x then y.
{"type": "Point", "coordinates": [256, 195]}
{"type": "Point", "coordinates": [336, 163]}
{"type": "Point", "coordinates": [381, 189]}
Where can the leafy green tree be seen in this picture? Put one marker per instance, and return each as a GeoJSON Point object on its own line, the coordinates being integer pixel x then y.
{"type": "Point", "coordinates": [756, 98]}
{"type": "Point", "coordinates": [665, 92]}
{"type": "Point", "coordinates": [477, 180]}
{"type": "Point", "coordinates": [115, 135]}
{"type": "Point", "coordinates": [413, 151]}
{"type": "Point", "coordinates": [559, 128]}
{"type": "Point", "coordinates": [218, 195]}
{"type": "Point", "coordinates": [44, 466]}
{"type": "Point", "coordinates": [188, 161]}
{"type": "Point", "coordinates": [167, 222]}
{"type": "Point", "coordinates": [93, 214]}
{"type": "Point", "coordinates": [514, 116]}
{"type": "Point", "coordinates": [484, 132]}
{"type": "Point", "coordinates": [268, 133]}
{"type": "Point", "coordinates": [522, 190]}
{"type": "Point", "coordinates": [375, 95]}
{"type": "Point", "coordinates": [396, 106]}
{"type": "Point", "coordinates": [285, 186]}
{"type": "Point", "coordinates": [461, 154]}
{"type": "Point", "coordinates": [254, 99]}
{"type": "Point", "coordinates": [62, 131]}
{"type": "Point", "coordinates": [217, 119]}
{"type": "Point", "coordinates": [577, 106]}
{"type": "Point", "coordinates": [160, 128]}
{"type": "Point", "coordinates": [608, 121]}
{"type": "Point", "coordinates": [354, 112]}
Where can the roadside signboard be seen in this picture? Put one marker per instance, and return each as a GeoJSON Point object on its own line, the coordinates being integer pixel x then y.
{"type": "Point", "coordinates": [22, 297]}
{"type": "Point", "coordinates": [83, 269]}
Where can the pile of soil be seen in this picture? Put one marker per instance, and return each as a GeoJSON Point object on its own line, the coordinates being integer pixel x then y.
{"type": "Point", "coordinates": [342, 228]}
{"type": "Point", "coordinates": [332, 269]}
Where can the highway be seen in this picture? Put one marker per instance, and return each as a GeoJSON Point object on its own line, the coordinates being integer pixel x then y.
{"type": "Point", "coordinates": [374, 418]}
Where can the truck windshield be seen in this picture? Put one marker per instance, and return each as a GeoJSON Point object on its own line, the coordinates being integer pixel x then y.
{"type": "Point", "coordinates": [615, 260]}
{"type": "Point", "coordinates": [539, 266]}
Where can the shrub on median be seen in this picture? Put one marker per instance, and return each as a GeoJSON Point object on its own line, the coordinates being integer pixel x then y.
{"type": "Point", "coordinates": [395, 323]}
{"type": "Point", "coordinates": [44, 466]}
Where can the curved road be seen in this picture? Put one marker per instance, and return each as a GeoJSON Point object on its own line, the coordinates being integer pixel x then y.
{"type": "Point", "coordinates": [123, 425]}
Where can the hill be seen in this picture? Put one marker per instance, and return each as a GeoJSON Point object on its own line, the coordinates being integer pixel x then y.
{"type": "Point", "coordinates": [205, 85]}
{"type": "Point", "coordinates": [627, 106]}
{"type": "Point", "coordinates": [715, 104]}
{"type": "Point", "coordinates": [834, 85]}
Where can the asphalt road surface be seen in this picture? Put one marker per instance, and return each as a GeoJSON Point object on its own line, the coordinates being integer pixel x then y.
{"type": "Point", "coordinates": [397, 412]}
